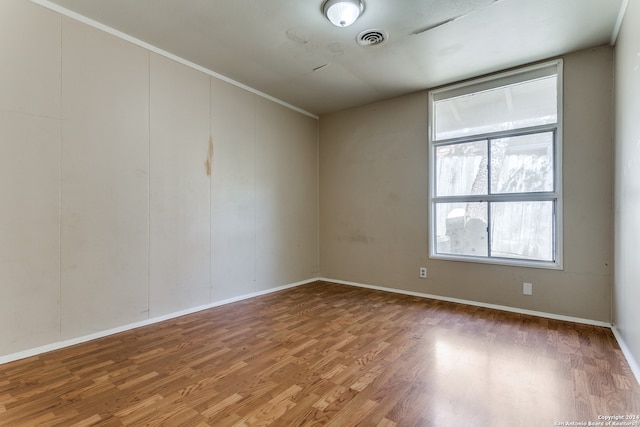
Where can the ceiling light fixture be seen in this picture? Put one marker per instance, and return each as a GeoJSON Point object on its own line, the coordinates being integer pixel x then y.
{"type": "Point", "coordinates": [343, 13]}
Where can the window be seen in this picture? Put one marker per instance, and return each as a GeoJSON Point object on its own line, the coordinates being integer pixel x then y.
{"type": "Point", "coordinates": [495, 169]}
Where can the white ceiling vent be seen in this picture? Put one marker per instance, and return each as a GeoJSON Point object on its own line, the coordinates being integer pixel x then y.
{"type": "Point", "coordinates": [372, 37]}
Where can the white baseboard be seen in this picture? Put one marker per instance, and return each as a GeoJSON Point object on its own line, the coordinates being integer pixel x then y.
{"type": "Point", "coordinates": [79, 340]}
{"type": "Point", "coordinates": [633, 363]}
{"type": "Point", "coordinates": [476, 304]}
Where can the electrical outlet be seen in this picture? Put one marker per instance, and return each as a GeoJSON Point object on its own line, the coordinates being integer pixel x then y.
{"type": "Point", "coordinates": [423, 272]}
{"type": "Point", "coordinates": [527, 288]}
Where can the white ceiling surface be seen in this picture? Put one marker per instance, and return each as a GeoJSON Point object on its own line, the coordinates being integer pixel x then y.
{"type": "Point", "coordinates": [274, 46]}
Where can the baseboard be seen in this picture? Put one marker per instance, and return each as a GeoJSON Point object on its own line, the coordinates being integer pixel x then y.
{"type": "Point", "coordinates": [79, 340]}
{"type": "Point", "coordinates": [626, 351]}
{"type": "Point", "coordinates": [475, 303]}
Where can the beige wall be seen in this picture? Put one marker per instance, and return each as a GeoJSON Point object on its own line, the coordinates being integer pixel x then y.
{"type": "Point", "coordinates": [180, 220]}
{"type": "Point", "coordinates": [133, 186]}
{"type": "Point", "coordinates": [627, 181]}
{"type": "Point", "coordinates": [264, 203]}
{"type": "Point", "coordinates": [104, 181]}
{"type": "Point", "coordinates": [374, 198]}
{"type": "Point", "coordinates": [29, 176]}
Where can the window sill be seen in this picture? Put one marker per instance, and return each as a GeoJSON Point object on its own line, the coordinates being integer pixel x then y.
{"type": "Point", "coordinates": [545, 265]}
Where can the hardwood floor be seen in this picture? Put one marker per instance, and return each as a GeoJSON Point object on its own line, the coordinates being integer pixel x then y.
{"type": "Point", "coordinates": [327, 354]}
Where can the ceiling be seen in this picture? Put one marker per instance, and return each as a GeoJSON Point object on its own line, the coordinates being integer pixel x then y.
{"type": "Point", "coordinates": [290, 51]}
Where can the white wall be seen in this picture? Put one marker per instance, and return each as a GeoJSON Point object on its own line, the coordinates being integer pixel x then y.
{"type": "Point", "coordinates": [133, 186]}
{"type": "Point", "coordinates": [627, 181]}
{"type": "Point", "coordinates": [374, 199]}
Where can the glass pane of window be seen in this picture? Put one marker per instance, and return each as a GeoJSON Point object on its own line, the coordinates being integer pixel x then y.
{"type": "Point", "coordinates": [522, 164]}
{"type": "Point", "coordinates": [461, 228]}
{"type": "Point", "coordinates": [515, 106]}
{"type": "Point", "coordinates": [522, 230]}
{"type": "Point", "coordinates": [461, 169]}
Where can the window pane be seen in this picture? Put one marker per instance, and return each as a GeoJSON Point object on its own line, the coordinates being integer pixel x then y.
{"type": "Point", "coordinates": [462, 228]}
{"type": "Point", "coordinates": [519, 105]}
{"type": "Point", "coordinates": [522, 230]}
{"type": "Point", "coordinates": [522, 164]}
{"type": "Point", "coordinates": [461, 169]}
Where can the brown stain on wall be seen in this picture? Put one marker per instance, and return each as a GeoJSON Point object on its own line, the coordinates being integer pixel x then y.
{"type": "Point", "coordinates": [207, 164]}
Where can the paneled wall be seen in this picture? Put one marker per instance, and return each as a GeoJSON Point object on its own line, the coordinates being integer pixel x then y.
{"type": "Point", "coordinates": [627, 183]}
{"type": "Point", "coordinates": [104, 181]}
{"type": "Point", "coordinates": [264, 193]}
{"type": "Point", "coordinates": [180, 187]}
{"type": "Point", "coordinates": [233, 184]}
{"type": "Point", "coordinates": [29, 176]}
{"type": "Point", "coordinates": [133, 186]}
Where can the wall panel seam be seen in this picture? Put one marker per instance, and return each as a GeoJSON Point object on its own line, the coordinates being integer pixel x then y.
{"type": "Point", "coordinates": [76, 16]}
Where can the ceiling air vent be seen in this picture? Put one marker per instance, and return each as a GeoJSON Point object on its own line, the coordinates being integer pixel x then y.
{"type": "Point", "coordinates": [371, 37]}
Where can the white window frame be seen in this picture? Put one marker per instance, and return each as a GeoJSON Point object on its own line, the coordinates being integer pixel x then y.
{"type": "Point", "coordinates": [486, 83]}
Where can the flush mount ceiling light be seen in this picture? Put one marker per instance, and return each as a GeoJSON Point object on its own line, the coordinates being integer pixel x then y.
{"type": "Point", "coordinates": [342, 13]}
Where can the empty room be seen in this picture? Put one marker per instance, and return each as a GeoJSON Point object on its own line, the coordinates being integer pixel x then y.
{"type": "Point", "coordinates": [320, 213]}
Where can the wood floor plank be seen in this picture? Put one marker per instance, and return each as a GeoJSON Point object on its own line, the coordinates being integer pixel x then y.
{"type": "Point", "coordinates": [327, 354]}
